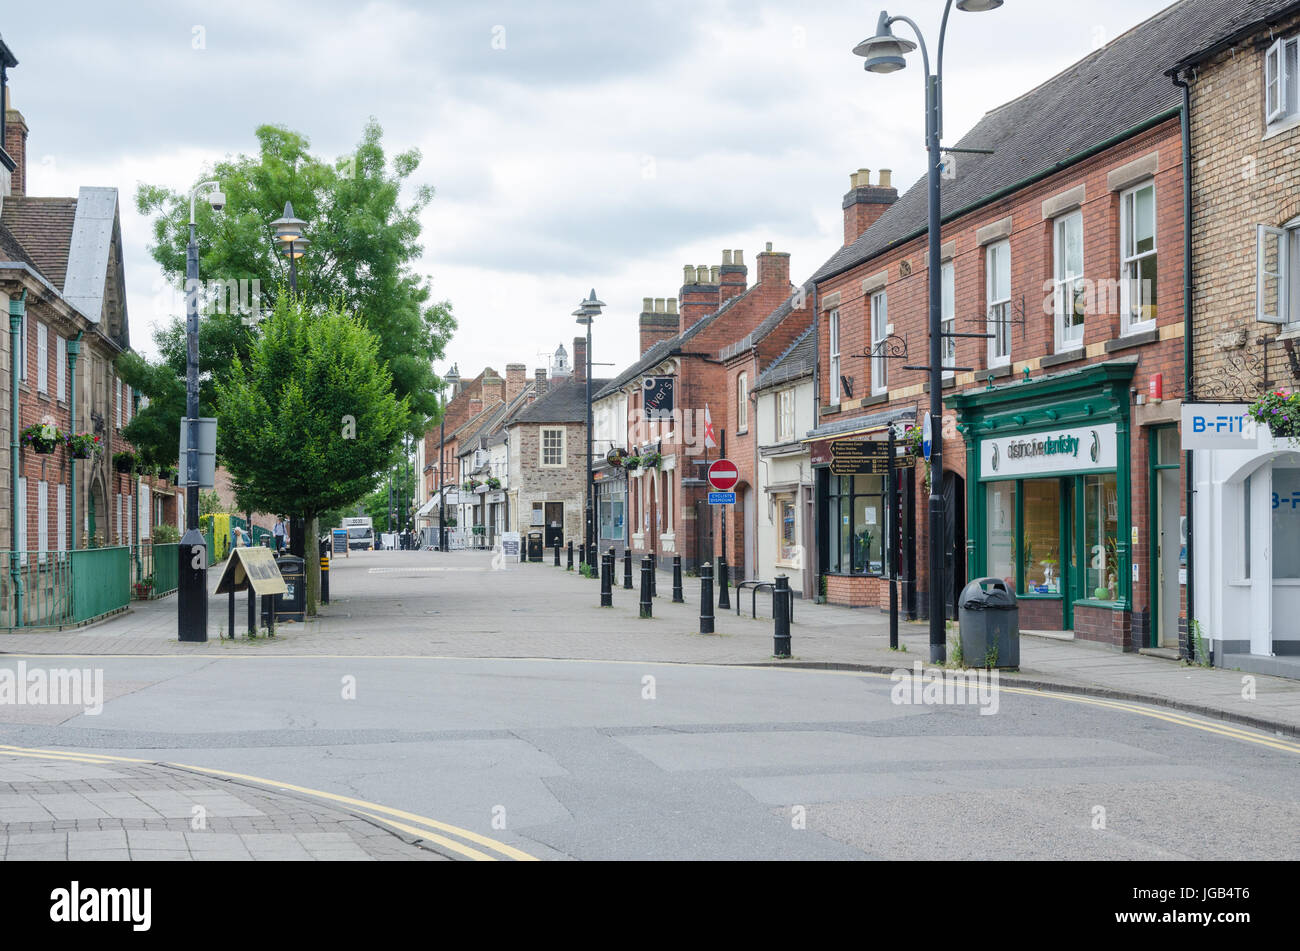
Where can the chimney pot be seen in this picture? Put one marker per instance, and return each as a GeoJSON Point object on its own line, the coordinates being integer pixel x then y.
{"type": "Point", "coordinates": [738, 257]}
{"type": "Point", "coordinates": [886, 178]}
{"type": "Point", "coordinates": [702, 274]}
{"type": "Point", "coordinates": [672, 305]}
{"type": "Point", "coordinates": [688, 275]}
{"type": "Point", "coordinates": [726, 257]}
{"type": "Point", "coordinates": [769, 246]}
{"type": "Point", "coordinates": [864, 177]}
{"type": "Point", "coordinates": [660, 308]}
{"type": "Point", "coordinates": [714, 274]}
{"type": "Point", "coordinates": [647, 305]}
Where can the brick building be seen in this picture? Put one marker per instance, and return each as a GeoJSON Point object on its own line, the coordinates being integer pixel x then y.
{"type": "Point", "coordinates": [63, 284]}
{"type": "Point", "coordinates": [1064, 247]}
{"type": "Point", "coordinates": [682, 339]}
{"type": "Point", "coordinates": [1243, 92]}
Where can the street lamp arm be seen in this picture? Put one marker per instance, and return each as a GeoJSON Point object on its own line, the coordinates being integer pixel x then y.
{"type": "Point", "coordinates": [209, 186]}
{"type": "Point", "coordinates": [920, 38]}
{"type": "Point", "coordinates": [943, 35]}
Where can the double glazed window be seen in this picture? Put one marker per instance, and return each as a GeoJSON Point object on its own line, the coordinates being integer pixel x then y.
{"type": "Point", "coordinates": [997, 286]}
{"type": "Point", "coordinates": [1277, 274]}
{"type": "Point", "coordinates": [833, 323]}
{"type": "Point", "coordinates": [948, 318]}
{"type": "Point", "coordinates": [1068, 291]}
{"type": "Point", "coordinates": [785, 416]}
{"type": "Point", "coordinates": [1282, 82]}
{"type": "Point", "coordinates": [1138, 257]}
{"type": "Point", "coordinates": [879, 331]}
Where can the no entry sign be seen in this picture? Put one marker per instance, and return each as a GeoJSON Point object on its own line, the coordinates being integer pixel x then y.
{"type": "Point", "coordinates": [723, 475]}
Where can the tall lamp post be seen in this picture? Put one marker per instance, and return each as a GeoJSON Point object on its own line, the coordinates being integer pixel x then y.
{"type": "Point", "coordinates": [884, 53]}
{"type": "Point", "coordinates": [586, 314]}
{"type": "Point", "coordinates": [292, 243]}
{"type": "Point", "coordinates": [192, 580]}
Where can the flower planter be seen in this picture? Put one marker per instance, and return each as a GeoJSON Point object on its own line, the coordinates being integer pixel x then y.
{"type": "Point", "coordinates": [44, 447]}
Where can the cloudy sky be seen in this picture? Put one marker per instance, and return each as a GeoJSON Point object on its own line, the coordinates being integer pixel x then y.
{"type": "Point", "coordinates": [572, 145]}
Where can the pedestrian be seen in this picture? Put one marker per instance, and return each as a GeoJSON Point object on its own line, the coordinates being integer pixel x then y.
{"type": "Point", "coordinates": [278, 531]}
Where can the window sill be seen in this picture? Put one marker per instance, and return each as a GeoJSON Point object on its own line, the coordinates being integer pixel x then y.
{"type": "Point", "coordinates": [1035, 596]}
{"type": "Point", "coordinates": [1116, 605]}
{"type": "Point", "coordinates": [1135, 338]}
{"type": "Point", "coordinates": [1283, 126]}
{"type": "Point", "coordinates": [1062, 357]}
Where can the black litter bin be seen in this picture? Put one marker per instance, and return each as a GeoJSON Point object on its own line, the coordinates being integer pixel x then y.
{"type": "Point", "coordinates": [292, 605]}
{"type": "Point", "coordinates": [989, 618]}
{"type": "Point", "coordinates": [534, 546]}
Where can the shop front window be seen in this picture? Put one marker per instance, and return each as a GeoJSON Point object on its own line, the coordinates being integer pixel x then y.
{"type": "Point", "coordinates": [785, 517]}
{"type": "Point", "coordinates": [858, 530]}
{"type": "Point", "coordinates": [1000, 543]}
{"type": "Point", "coordinates": [1041, 552]}
{"type": "Point", "coordinates": [1286, 521]}
{"type": "Point", "coordinates": [1101, 525]}
{"type": "Point", "coordinates": [611, 518]}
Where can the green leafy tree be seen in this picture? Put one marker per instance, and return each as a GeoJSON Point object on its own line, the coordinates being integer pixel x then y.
{"type": "Point", "coordinates": [308, 417]}
{"type": "Point", "coordinates": [376, 503]}
{"type": "Point", "coordinates": [364, 241]}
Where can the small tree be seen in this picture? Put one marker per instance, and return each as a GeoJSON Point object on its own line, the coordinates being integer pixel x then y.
{"type": "Point", "coordinates": [307, 422]}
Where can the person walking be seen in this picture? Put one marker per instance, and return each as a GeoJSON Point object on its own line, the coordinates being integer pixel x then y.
{"type": "Point", "coordinates": [278, 531]}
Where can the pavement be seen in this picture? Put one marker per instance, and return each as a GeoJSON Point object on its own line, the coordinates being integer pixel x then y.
{"type": "Point", "coordinates": [56, 807]}
{"type": "Point", "coordinates": [471, 604]}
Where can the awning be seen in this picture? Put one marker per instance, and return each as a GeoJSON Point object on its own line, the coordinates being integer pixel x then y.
{"type": "Point", "coordinates": [426, 510]}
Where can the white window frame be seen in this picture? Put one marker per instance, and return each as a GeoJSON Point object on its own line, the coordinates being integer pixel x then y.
{"type": "Point", "coordinates": [1280, 105]}
{"type": "Point", "coordinates": [42, 520]}
{"type": "Point", "coordinates": [879, 331]}
{"type": "Point", "coordinates": [22, 350]}
{"type": "Point", "coordinates": [542, 447]}
{"type": "Point", "coordinates": [62, 515]}
{"type": "Point", "coordinates": [785, 415]}
{"type": "Point", "coordinates": [1131, 261]}
{"type": "Point", "coordinates": [42, 358]}
{"type": "Point", "coordinates": [61, 368]}
{"type": "Point", "coordinates": [742, 403]}
{"type": "Point", "coordinates": [997, 260]}
{"type": "Point", "coordinates": [119, 517]}
{"type": "Point", "coordinates": [668, 503]}
{"type": "Point", "coordinates": [1064, 282]}
{"type": "Point", "coordinates": [1283, 307]}
{"type": "Point", "coordinates": [948, 317]}
{"type": "Point", "coordinates": [833, 341]}
{"type": "Point", "coordinates": [22, 519]}
{"type": "Point", "coordinates": [117, 383]}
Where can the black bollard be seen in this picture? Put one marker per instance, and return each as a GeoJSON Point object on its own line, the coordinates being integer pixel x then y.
{"type": "Point", "coordinates": [607, 580]}
{"type": "Point", "coordinates": [557, 554]}
{"type": "Point", "coordinates": [582, 553]}
{"type": "Point", "coordinates": [627, 568]}
{"type": "Point", "coordinates": [706, 599]}
{"type": "Point", "coordinates": [724, 592]}
{"type": "Point", "coordinates": [646, 603]}
{"type": "Point", "coordinates": [324, 573]}
{"type": "Point", "coordinates": [781, 596]}
{"type": "Point", "coordinates": [569, 566]}
{"type": "Point", "coordinates": [678, 598]}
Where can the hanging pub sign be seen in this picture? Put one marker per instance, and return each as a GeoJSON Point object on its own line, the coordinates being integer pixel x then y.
{"type": "Point", "coordinates": [657, 396]}
{"type": "Point", "coordinates": [1085, 449]}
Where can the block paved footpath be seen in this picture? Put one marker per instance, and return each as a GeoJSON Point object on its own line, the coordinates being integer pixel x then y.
{"type": "Point", "coordinates": [470, 604]}
{"type": "Point", "coordinates": [56, 809]}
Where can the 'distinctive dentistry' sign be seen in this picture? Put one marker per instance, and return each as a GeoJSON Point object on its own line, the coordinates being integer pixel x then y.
{"type": "Point", "coordinates": [1084, 449]}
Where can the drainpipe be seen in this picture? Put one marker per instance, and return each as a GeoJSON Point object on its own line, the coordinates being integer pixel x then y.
{"type": "Point", "coordinates": [1186, 123]}
{"type": "Point", "coordinates": [74, 351]}
{"type": "Point", "coordinates": [17, 313]}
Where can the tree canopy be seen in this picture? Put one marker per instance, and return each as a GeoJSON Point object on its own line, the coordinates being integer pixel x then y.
{"type": "Point", "coordinates": [363, 241]}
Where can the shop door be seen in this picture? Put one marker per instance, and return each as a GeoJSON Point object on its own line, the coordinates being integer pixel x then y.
{"type": "Point", "coordinates": [554, 524]}
{"type": "Point", "coordinates": [954, 513]}
{"type": "Point", "coordinates": [1166, 528]}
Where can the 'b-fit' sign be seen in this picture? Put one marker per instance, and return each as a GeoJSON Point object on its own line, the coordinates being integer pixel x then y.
{"type": "Point", "coordinates": [657, 394]}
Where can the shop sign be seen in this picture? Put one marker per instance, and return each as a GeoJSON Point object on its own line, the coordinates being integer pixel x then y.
{"type": "Point", "coordinates": [1218, 426]}
{"type": "Point", "coordinates": [657, 394]}
{"type": "Point", "coordinates": [496, 497]}
{"type": "Point", "coordinates": [1084, 449]}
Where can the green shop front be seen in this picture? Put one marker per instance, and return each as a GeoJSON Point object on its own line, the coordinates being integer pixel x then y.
{"type": "Point", "coordinates": [1048, 467]}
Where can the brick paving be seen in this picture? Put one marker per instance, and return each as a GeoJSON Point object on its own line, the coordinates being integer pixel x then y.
{"type": "Point", "coordinates": [68, 810]}
{"type": "Point", "coordinates": [430, 604]}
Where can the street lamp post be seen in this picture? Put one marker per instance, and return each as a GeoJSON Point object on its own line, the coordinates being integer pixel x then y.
{"type": "Point", "coordinates": [292, 243]}
{"type": "Point", "coordinates": [884, 53]}
{"type": "Point", "coordinates": [192, 580]}
{"type": "Point", "coordinates": [442, 492]}
{"type": "Point", "coordinates": [586, 314]}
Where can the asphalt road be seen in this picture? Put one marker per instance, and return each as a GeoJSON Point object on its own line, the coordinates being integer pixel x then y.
{"type": "Point", "coordinates": [591, 760]}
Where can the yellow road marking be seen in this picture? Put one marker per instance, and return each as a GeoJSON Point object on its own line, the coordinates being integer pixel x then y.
{"type": "Point", "coordinates": [361, 804]}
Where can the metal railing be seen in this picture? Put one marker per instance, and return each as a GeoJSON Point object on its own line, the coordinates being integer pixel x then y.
{"type": "Point", "coordinates": [58, 588]}
{"type": "Point", "coordinates": [155, 568]}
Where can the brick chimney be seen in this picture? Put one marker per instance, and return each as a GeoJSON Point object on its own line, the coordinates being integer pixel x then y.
{"type": "Point", "coordinates": [16, 145]}
{"type": "Point", "coordinates": [733, 274]}
{"type": "Point", "coordinates": [516, 377]}
{"type": "Point", "coordinates": [699, 294]}
{"type": "Point", "coordinates": [539, 383]}
{"type": "Point", "coordinates": [580, 359]}
{"type": "Point", "coordinates": [493, 389]}
{"type": "Point", "coordinates": [865, 203]}
{"type": "Point", "coordinates": [658, 321]}
{"type": "Point", "coordinates": [774, 269]}
{"type": "Point", "coordinates": [475, 407]}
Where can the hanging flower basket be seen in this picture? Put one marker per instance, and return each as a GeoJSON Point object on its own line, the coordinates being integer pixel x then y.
{"type": "Point", "coordinates": [44, 438]}
{"type": "Point", "coordinates": [493, 483]}
{"type": "Point", "coordinates": [1280, 411]}
{"type": "Point", "coordinates": [632, 463]}
{"type": "Point", "coordinates": [124, 461]}
{"type": "Point", "coordinates": [83, 445]}
{"type": "Point", "coordinates": [652, 460]}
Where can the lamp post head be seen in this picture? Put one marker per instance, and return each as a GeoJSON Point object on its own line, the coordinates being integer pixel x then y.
{"type": "Point", "coordinates": [884, 52]}
{"type": "Point", "coordinates": [589, 309]}
{"type": "Point", "coordinates": [978, 6]}
{"type": "Point", "coordinates": [288, 228]}
{"type": "Point", "coordinates": [296, 248]}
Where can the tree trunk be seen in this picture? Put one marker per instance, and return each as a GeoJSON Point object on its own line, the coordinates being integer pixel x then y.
{"type": "Point", "coordinates": [311, 559]}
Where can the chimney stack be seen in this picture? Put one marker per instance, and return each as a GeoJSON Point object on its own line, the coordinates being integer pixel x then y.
{"type": "Point", "coordinates": [493, 389]}
{"type": "Point", "coordinates": [579, 359]}
{"type": "Point", "coordinates": [774, 269]}
{"type": "Point", "coordinates": [699, 295]}
{"type": "Point", "coordinates": [539, 382]}
{"type": "Point", "coordinates": [15, 143]}
{"type": "Point", "coordinates": [733, 274]}
{"type": "Point", "coordinates": [658, 320]}
{"type": "Point", "coordinates": [865, 203]}
{"type": "Point", "coordinates": [516, 377]}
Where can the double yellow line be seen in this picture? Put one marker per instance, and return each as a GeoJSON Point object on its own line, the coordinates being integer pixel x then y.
{"type": "Point", "coordinates": [417, 826]}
